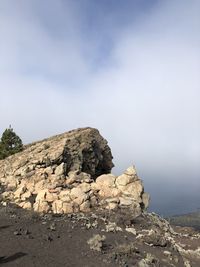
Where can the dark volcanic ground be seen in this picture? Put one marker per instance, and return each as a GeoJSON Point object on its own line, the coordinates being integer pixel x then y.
{"type": "Point", "coordinates": [28, 239]}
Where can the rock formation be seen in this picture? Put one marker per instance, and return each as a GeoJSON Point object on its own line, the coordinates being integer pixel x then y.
{"type": "Point", "coordinates": [70, 173]}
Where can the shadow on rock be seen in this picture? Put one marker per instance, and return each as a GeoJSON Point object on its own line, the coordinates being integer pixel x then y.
{"type": "Point", "coordinates": [12, 257]}
{"type": "Point", "coordinates": [4, 227]}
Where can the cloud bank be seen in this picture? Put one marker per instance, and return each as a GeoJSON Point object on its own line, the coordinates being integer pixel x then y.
{"type": "Point", "coordinates": [129, 69]}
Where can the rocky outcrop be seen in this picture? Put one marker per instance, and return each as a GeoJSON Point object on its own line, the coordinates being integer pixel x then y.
{"type": "Point", "coordinates": [82, 150]}
{"type": "Point", "coordinates": [70, 173]}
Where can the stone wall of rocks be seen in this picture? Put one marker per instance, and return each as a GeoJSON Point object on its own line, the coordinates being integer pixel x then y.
{"type": "Point", "coordinates": [77, 192]}
{"type": "Point", "coordinates": [70, 173]}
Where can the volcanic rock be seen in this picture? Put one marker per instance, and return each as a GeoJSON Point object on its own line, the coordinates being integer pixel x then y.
{"type": "Point", "coordinates": [70, 173]}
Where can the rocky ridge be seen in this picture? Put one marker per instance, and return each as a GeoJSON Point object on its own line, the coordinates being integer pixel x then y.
{"type": "Point", "coordinates": [70, 173]}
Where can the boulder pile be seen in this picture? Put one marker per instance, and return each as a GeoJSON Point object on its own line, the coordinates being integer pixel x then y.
{"type": "Point", "coordinates": [69, 173]}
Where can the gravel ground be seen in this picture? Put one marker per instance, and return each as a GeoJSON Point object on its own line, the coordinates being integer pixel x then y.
{"type": "Point", "coordinates": [29, 239]}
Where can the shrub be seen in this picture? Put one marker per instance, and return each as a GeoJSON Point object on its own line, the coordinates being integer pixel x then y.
{"type": "Point", "coordinates": [96, 242]}
{"type": "Point", "coordinates": [10, 143]}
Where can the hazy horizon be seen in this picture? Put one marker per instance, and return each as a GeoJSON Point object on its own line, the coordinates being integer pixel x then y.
{"type": "Point", "coordinates": [129, 68]}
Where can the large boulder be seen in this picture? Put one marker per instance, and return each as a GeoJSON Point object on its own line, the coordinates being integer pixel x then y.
{"type": "Point", "coordinates": [83, 150]}
{"type": "Point", "coordinates": [70, 173]}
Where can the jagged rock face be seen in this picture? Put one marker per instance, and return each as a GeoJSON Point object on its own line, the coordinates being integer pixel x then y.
{"type": "Point", "coordinates": [70, 173]}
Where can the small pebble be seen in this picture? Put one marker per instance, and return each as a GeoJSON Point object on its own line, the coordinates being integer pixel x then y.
{"type": "Point", "coordinates": [17, 233]}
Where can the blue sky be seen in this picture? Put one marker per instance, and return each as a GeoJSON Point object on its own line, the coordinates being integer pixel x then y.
{"type": "Point", "coordinates": [129, 68]}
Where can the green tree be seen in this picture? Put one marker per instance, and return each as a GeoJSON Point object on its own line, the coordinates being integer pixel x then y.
{"type": "Point", "coordinates": [10, 143]}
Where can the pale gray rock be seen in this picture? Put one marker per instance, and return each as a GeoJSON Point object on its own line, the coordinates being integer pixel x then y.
{"type": "Point", "coordinates": [70, 173]}
{"type": "Point", "coordinates": [145, 200]}
{"type": "Point", "coordinates": [60, 169]}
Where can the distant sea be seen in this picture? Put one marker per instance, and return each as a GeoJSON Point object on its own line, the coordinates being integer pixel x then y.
{"type": "Point", "coordinates": [169, 203]}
